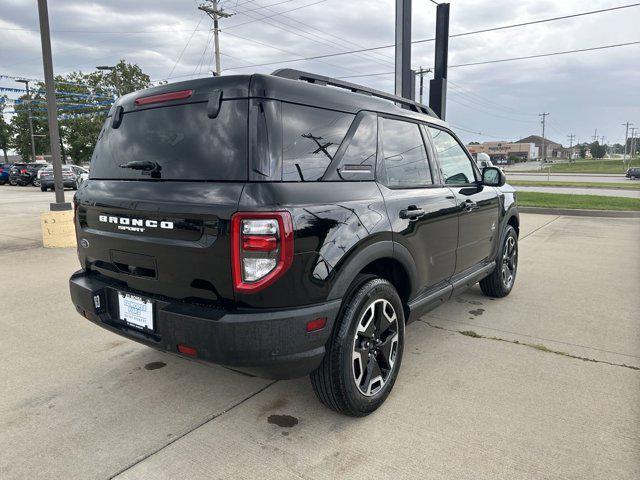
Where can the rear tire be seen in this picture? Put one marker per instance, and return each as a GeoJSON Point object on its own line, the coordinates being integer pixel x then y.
{"type": "Point", "coordinates": [44, 189]}
{"type": "Point", "coordinates": [500, 282]}
{"type": "Point", "coordinates": [364, 354]}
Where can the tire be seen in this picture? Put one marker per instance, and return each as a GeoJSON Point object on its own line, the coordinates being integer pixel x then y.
{"type": "Point", "coordinates": [44, 189]}
{"type": "Point", "coordinates": [500, 282]}
{"type": "Point", "coordinates": [371, 322]}
{"type": "Point", "coordinates": [36, 182]}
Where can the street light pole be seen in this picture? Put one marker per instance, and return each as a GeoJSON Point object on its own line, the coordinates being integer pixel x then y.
{"type": "Point", "coordinates": [115, 76]}
{"type": "Point", "coordinates": [52, 109]}
{"type": "Point", "coordinates": [33, 143]}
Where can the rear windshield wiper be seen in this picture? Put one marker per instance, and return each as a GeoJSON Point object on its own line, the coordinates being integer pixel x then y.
{"type": "Point", "coordinates": [145, 166]}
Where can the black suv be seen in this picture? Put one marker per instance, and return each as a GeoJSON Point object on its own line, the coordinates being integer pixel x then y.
{"type": "Point", "coordinates": [281, 226]}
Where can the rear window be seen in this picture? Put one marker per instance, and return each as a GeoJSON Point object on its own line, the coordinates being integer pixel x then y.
{"type": "Point", "coordinates": [310, 138]}
{"type": "Point", "coordinates": [182, 139]}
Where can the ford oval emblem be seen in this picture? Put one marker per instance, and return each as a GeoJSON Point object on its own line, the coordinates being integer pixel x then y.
{"type": "Point", "coordinates": [84, 243]}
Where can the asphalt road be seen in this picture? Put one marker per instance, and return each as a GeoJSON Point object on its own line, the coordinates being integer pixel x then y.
{"type": "Point", "coordinates": [569, 177]}
{"type": "Point", "coordinates": [604, 192]}
{"type": "Point", "coordinates": [541, 384]}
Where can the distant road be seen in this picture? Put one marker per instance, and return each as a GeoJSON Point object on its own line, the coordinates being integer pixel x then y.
{"type": "Point", "coordinates": [570, 177]}
{"type": "Point", "coordinates": [605, 192]}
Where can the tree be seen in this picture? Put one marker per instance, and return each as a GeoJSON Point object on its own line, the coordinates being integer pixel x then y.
{"type": "Point", "coordinates": [597, 150]}
{"type": "Point", "coordinates": [125, 78]}
{"type": "Point", "coordinates": [583, 151]}
{"type": "Point", "coordinates": [5, 131]}
{"type": "Point", "coordinates": [21, 140]}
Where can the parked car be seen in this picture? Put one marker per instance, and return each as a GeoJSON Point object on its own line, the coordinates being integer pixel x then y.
{"type": "Point", "coordinates": [483, 161]}
{"type": "Point", "coordinates": [4, 173]}
{"type": "Point", "coordinates": [24, 174]}
{"type": "Point", "coordinates": [281, 227]}
{"type": "Point", "coordinates": [72, 177]}
{"type": "Point", "coordinates": [36, 181]}
{"type": "Point", "coordinates": [15, 171]}
{"type": "Point", "coordinates": [633, 173]}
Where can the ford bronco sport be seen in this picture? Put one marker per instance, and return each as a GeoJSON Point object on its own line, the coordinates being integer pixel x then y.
{"type": "Point", "coordinates": [285, 225]}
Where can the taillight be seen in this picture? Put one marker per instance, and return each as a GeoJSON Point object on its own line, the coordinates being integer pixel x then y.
{"type": "Point", "coordinates": [24, 170]}
{"type": "Point", "coordinates": [261, 248]}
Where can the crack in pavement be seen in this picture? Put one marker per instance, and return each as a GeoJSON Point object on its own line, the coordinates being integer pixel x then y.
{"type": "Point", "coordinates": [569, 344]}
{"type": "Point", "coordinates": [540, 347]}
{"type": "Point", "coordinates": [539, 228]}
{"type": "Point", "coordinates": [189, 430]}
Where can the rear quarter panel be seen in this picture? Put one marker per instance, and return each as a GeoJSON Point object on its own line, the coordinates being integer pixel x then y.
{"type": "Point", "coordinates": [332, 221]}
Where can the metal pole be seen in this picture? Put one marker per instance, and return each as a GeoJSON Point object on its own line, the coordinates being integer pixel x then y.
{"type": "Point", "coordinates": [422, 72]}
{"type": "Point", "coordinates": [438, 86]}
{"type": "Point", "coordinates": [544, 151]}
{"type": "Point", "coordinates": [52, 110]}
{"type": "Point", "coordinates": [403, 49]}
{"type": "Point", "coordinates": [216, 42]}
{"type": "Point", "coordinates": [33, 142]}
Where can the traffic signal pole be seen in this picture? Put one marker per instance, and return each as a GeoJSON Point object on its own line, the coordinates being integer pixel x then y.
{"type": "Point", "coordinates": [52, 109]}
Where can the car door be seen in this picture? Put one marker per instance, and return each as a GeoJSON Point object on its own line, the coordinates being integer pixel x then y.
{"type": "Point", "coordinates": [421, 210]}
{"type": "Point", "coordinates": [477, 205]}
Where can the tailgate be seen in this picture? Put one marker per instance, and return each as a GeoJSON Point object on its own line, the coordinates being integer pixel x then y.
{"type": "Point", "coordinates": [163, 238]}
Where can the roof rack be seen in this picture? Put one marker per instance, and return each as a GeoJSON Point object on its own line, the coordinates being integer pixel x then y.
{"type": "Point", "coordinates": [293, 74]}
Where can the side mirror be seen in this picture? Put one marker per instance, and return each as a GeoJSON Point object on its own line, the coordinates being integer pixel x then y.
{"type": "Point", "coordinates": [493, 177]}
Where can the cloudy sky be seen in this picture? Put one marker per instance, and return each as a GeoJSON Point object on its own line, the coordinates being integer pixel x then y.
{"type": "Point", "coordinates": [170, 39]}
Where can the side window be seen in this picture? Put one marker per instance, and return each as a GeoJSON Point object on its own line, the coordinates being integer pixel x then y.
{"type": "Point", "coordinates": [310, 138]}
{"type": "Point", "coordinates": [405, 157]}
{"type": "Point", "coordinates": [359, 159]}
{"type": "Point", "coordinates": [454, 163]}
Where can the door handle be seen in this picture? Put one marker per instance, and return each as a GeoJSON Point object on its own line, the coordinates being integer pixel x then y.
{"type": "Point", "coordinates": [412, 212]}
{"type": "Point", "coordinates": [469, 205]}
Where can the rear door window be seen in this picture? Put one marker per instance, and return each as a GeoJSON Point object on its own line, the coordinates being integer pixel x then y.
{"type": "Point", "coordinates": [404, 155]}
{"type": "Point", "coordinates": [181, 139]}
{"type": "Point", "coordinates": [310, 138]}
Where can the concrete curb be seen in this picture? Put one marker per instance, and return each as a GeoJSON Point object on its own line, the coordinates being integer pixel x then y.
{"type": "Point", "coordinates": [580, 213]}
{"type": "Point", "coordinates": [564, 174]}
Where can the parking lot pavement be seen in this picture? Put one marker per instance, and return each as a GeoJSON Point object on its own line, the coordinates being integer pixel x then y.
{"type": "Point", "coordinates": [541, 384]}
{"type": "Point", "coordinates": [20, 209]}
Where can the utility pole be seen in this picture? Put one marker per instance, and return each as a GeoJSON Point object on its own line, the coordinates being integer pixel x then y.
{"type": "Point", "coordinates": [422, 72]}
{"type": "Point", "coordinates": [52, 109]}
{"type": "Point", "coordinates": [626, 139]}
{"type": "Point", "coordinates": [33, 143]}
{"type": "Point", "coordinates": [543, 154]}
{"type": "Point", "coordinates": [595, 135]}
{"type": "Point", "coordinates": [215, 13]}
{"type": "Point", "coordinates": [633, 144]}
{"type": "Point", "coordinates": [571, 137]}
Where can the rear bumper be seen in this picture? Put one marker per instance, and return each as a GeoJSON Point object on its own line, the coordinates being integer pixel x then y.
{"type": "Point", "coordinates": [270, 344]}
{"type": "Point", "coordinates": [50, 183]}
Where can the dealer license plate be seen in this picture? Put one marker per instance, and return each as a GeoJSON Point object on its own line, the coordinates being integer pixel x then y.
{"type": "Point", "coordinates": [136, 311]}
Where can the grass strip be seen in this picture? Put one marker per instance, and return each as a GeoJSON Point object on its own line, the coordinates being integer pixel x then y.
{"type": "Point", "coordinates": [534, 183]}
{"type": "Point", "coordinates": [589, 166]}
{"type": "Point", "coordinates": [584, 202]}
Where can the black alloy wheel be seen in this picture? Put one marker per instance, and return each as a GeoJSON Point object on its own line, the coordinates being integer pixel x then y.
{"type": "Point", "coordinates": [500, 281]}
{"type": "Point", "coordinates": [375, 347]}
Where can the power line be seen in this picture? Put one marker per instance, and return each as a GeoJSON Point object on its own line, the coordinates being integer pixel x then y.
{"type": "Point", "coordinates": [527, 57]}
{"type": "Point", "coordinates": [502, 27]}
{"type": "Point", "coordinates": [383, 58]}
{"type": "Point", "coordinates": [186, 45]}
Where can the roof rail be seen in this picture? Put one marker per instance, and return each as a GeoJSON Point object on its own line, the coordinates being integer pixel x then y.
{"type": "Point", "coordinates": [293, 74]}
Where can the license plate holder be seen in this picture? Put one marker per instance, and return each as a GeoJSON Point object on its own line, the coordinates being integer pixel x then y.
{"type": "Point", "coordinates": [136, 311]}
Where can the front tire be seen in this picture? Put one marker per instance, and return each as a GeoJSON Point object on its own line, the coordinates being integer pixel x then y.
{"type": "Point", "coordinates": [500, 282]}
{"type": "Point", "coordinates": [364, 354]}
